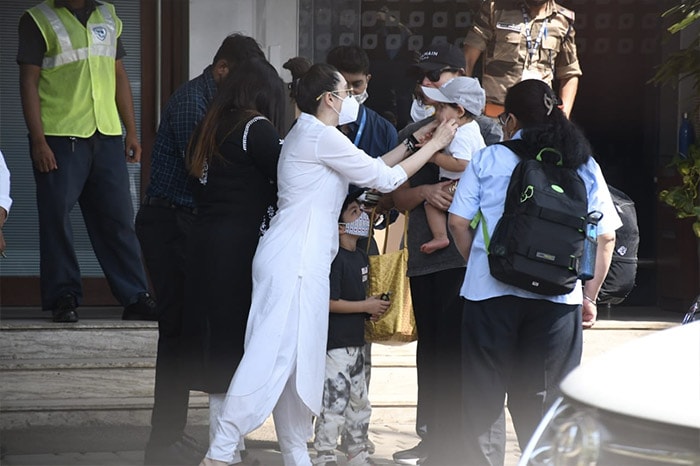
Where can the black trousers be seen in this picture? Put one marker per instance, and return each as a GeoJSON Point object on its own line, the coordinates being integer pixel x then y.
{"type": "Point", "coordinates": [91, 172]}
{"type": "Point", "coordinates": [517, 347]}
{"type": "Point", "coordinates": [163, 235]}
{"type": "Point", "coordinates": [437, 307]}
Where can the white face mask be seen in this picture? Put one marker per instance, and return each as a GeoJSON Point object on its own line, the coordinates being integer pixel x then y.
{"type": "Point", "coordinates": [361, 98]}
{"type": "Point", "coordinates": [359, 226]}
{"type": "Point", "coordinates": [349, 109]}
{"type": "Point", "coordinates": [420, 111]}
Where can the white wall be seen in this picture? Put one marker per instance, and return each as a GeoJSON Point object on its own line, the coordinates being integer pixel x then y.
{"type": "Point", "coordinates": [273, 23]}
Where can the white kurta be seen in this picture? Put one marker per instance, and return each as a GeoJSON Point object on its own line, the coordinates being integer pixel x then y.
{"type": "Point", "coordinates": [288, 322]}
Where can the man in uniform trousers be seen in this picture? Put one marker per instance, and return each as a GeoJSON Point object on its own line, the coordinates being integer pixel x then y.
{"type": "Point", "coordinates": [75, 97]}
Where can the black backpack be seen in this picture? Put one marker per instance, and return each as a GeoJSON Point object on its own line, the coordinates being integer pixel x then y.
{"type": "Point", "coordinates": [623, 269]}
{"type": "Point", "coordinates": [538, 242]}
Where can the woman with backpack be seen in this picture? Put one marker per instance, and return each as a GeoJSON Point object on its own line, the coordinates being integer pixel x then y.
{"type": "Point", "coordinates": [515, 341]}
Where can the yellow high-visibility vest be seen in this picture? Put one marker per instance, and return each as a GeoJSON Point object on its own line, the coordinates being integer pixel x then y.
{"type": "Point", "coordinates": [77, 85]}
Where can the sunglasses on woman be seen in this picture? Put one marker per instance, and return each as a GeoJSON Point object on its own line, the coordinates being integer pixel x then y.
{"type": "Point", "coordinates": [503, 118]}
{"type": "Point", "coordinates": [434, 75]}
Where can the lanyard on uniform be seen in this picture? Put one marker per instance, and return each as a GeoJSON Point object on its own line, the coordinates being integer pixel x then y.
{"type": "Point", "coordinates": [532, 48]}
{"type": "Point", "coordinates": [363, 121]}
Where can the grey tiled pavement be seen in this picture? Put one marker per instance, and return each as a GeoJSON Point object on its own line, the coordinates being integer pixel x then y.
{"type": "Point", "coordinates": [391, 428]}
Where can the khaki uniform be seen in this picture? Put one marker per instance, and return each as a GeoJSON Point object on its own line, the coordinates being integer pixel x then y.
{"type": "Point", "coordinates": [500, 33]}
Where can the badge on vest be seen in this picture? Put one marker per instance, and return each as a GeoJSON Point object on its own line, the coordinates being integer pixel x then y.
{"type": "Point", "coordinates": [100, 33]}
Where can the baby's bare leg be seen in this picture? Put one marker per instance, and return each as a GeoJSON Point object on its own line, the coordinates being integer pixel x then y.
{"type": "Point", "coordinates": [437, 221]}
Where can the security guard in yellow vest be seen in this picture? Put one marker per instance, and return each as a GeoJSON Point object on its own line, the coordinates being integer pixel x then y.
{"type": "Point", "coordinates": [75, 97]}
{"type": "Point", "coordinates": [523, 39]}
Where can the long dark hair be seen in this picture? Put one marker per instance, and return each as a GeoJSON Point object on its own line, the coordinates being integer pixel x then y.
{"type": "Point", "coordinates": [297, 66]}
{"type": "Point", "coordinates": [320, 78]}
{"type": "Point", "coordinates": [236, 48]}
{"type": "Point", "coordinates": [252, 88]}
{"type": "Point", "coordinates": [544, 124]}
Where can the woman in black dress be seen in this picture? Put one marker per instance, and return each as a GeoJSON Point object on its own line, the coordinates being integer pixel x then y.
{"type": "Point", "coordinates": [233, 159]}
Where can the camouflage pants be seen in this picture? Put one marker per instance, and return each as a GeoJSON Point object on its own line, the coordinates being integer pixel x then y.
{"type": "Point", "coordinates": [346, 406]}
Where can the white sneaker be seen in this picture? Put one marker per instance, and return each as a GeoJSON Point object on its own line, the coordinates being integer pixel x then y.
{"type": "Point", "coordinates": [325, 458]}
{"type": "Point", "coordinates": [361, 459]}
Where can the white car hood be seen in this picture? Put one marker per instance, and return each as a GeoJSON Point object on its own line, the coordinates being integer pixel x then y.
{"type": "Point", "coordinates": [655, 377]}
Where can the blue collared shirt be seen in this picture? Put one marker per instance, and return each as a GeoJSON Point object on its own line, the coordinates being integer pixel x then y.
{"type": "Point", "coordinates": [184, 110]}
{"type": "Point", "coordinates": [483, 188]}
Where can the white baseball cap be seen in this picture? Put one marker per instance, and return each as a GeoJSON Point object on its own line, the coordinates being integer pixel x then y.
{"type": "Point", "coordinates": [461, 90]}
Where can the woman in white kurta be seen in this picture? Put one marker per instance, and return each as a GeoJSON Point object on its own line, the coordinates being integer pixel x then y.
{"type": "Point", "coordinates": [283, 366]}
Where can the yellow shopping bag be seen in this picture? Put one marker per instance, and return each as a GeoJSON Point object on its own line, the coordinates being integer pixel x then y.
{"type": "Point", "coordinates": [387, 274]}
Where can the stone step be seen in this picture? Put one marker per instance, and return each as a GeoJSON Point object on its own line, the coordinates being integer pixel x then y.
{"type": "Point", "coordinates": [103, 411]}
{"type": "Point", "coordinates": [387, 425]}
{"type": "Point", "coordinates": [136, 411]}
{"type": "Point", "coordinates": [33, 340]}
{"type": "Point", "coordinates": [117, 406]}
{"type": "Point", "coordinates": [72, 364]}
{"type": "Point", "coordinates": [137, 381]}
{"type": "Point", "coordinates": [101, 340]}
{"type": "Point", "coordinates": [101, 372]}
{"type": "Point", "coordinates": [134, 359]}
{"type": "Point", "coordinates": [75, 383]}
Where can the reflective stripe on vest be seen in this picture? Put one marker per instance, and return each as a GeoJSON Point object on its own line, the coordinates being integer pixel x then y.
{"type": "Point", "coordinates": [68, 53]}
{"type": "Point", "coordinates": [77, 85]}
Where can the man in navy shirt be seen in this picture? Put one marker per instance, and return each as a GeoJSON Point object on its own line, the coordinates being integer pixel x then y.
{"type": "Point", "coordinates": [371, 132]}
{"type": "Point", "coordinates": [163, 225]}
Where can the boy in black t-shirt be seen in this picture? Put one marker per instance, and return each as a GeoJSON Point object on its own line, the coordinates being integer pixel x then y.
{"type": "Point", "coordinates": [345, 403]}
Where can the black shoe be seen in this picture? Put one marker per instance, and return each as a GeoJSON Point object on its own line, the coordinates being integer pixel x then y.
{"type": "Point", "coordinates": [143, 309]}
{"type": "Point", "coordinates": [176, 453]}
{"type": "Point", "coordinates": [412, 456]}
{"type": "Point", "coordinates": [65, 309]}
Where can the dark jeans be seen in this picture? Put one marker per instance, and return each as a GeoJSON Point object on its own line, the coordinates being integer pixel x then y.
{"type": "Point", "coordinates": [519, 347]}
{"type": "Point", "coordinates": [91, 172]}
{"type": "Point", "coordinates": [163, 234]}
{"type": "Point", "coordinates": [437, 307]}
